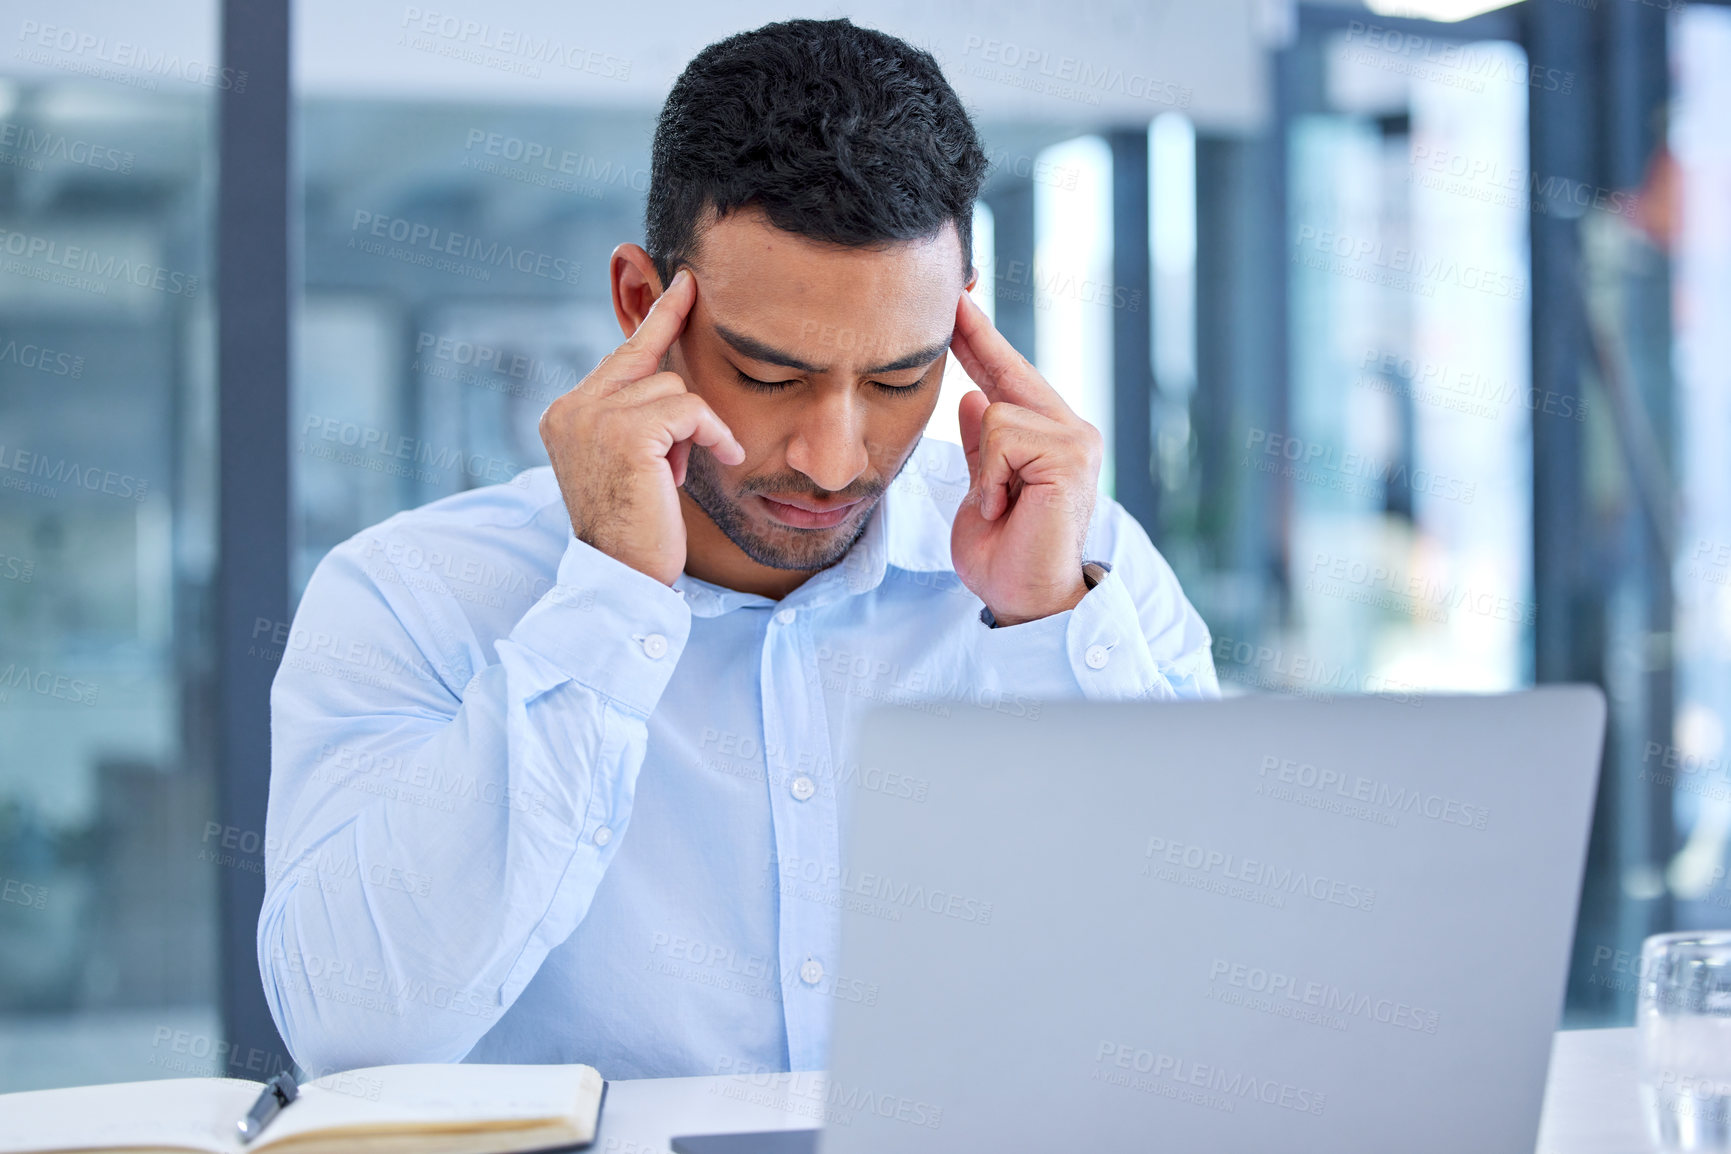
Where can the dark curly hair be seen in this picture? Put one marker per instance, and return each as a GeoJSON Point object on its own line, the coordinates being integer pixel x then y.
{"type": "Point", "coordinates": [839, 133]}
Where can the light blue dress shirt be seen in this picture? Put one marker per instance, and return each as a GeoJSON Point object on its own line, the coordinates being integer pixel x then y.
{"type": "Point", "coordinates": [528, 804]}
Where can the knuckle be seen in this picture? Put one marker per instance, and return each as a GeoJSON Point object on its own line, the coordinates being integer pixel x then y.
{"type": "Point", "coordinates": [555, 416]}
{"type": "Point", "coordinates": [685, 403]}
{"type": "Point", "coordinates": [673, 409]}
{"type": "Point", "coordinates": [1093, 442]}
{"type": "Point", "coordinates": [666, 384]}
{"type": "Point", "coordinates": [996, 419]}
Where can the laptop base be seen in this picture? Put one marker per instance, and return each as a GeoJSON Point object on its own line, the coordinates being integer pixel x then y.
{"type": "Point", "coordinates": [767, 1142]}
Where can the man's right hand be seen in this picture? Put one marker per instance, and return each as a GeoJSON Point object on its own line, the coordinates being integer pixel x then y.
{"type": "Point", "coordinates": [620, 440]}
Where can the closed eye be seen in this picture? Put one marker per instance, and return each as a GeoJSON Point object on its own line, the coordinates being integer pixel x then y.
{"type": "Point", "coordinates": [754, 383]}
{"type": "Point", "coordinates": [761, 386]}
{"type": "Point", "coordinates": [910, 388]}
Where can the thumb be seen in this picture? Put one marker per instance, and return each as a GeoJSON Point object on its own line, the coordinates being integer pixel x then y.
{"type": "Point", "coordinates": [969, 416]}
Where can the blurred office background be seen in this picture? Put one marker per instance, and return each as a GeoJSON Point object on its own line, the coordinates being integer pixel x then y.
{"type": "Point", "coordinates": [1410, 329]}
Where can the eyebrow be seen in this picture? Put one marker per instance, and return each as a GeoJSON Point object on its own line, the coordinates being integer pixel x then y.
{"type": "Point", "coordinates": [755, 349]}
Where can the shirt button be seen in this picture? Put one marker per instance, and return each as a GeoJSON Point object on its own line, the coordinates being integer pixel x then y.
{"type": "Point", "coordinates": [603, 836]}
{"type": "Point", "coordinates": [1096, 657]}
{"type": "Point", "coordinates": [784, 616]}
{"type": "Point", "coordinates": [803, 787]}
{"type": "Point", "coordinates": [811, 973]}
{"type": "Point", "coordinates": [655, 646]}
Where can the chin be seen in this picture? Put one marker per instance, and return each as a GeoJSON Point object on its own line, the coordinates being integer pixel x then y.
{"type": "Point", "coordinates": [787, 547]}
{"type": "Point", "coordinates": [757, 534]}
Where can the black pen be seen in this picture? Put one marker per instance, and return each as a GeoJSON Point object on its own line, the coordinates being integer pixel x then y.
{"type": "Point", "coordinates": [278, 1092]}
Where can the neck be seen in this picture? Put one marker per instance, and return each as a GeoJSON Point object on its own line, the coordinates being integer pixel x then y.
{"type": "Point", "coordinates": [711, 556]}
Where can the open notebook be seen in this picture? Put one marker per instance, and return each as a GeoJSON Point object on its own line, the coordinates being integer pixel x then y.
{"type": "Point", "coordinates": [419, 1109]}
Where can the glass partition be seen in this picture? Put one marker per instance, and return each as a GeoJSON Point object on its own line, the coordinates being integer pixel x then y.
{"type": "Point", "coordinates": [108, 853]}
{"type": "Point", "coordinates": [1695, 181]}
{"type": "Point", "coordinates": [1408, 455]}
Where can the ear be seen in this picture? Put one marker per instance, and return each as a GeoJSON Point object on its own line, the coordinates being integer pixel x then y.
{"type": "Point", "coordinates": [635, 283]}
{"type": "Point", "coordinates": [973, 279]}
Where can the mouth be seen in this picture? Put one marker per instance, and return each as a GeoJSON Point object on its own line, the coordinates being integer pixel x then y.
{"type": "Point", "coordinates": [806, 514]}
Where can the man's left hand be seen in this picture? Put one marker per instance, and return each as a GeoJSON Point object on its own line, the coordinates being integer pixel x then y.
{"type": "Point", "coordinates": [1033, 466]}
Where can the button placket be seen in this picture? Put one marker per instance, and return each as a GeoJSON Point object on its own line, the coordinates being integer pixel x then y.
{"type": "Point", "coordinates": [804, 822]}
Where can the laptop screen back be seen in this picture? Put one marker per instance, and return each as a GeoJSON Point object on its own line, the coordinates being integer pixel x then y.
{"type": "Point", "coordinates": [1256, 925]}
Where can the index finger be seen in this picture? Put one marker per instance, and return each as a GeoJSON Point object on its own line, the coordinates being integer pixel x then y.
{"type": "Point", "coordinates": [643, 350]}
{"type": "Point", "coordinates": [993, 363]}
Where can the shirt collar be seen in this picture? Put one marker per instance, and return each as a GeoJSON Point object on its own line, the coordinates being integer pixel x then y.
{"type": "Point", "coordinates": [921, 506]}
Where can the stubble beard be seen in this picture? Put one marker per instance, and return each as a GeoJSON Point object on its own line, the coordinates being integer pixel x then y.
{"type": "Point", "coordinates": [806, 550]}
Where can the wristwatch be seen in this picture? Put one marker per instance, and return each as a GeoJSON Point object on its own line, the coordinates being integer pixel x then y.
{"type": "Point", "coordinates": [1093, 572]}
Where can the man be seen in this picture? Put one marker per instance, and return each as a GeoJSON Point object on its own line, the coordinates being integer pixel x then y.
{"type": "Point", "coordinates": [591, 811]}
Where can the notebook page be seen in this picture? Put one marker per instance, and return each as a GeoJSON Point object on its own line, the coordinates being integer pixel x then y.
{"type": "Point", "coordinates": [437, 1095]}
{"type": "Point", "coordinates": [189, 1113]}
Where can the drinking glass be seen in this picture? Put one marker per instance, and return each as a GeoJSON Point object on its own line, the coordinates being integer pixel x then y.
{"type": "Point", "coordinates": [1683, 1015]}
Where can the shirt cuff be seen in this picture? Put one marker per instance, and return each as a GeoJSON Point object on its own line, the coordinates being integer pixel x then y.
{"type": "Point", "coordinates": [609, 627]}
{"type": "Point", "coordinates": [1098, 646]}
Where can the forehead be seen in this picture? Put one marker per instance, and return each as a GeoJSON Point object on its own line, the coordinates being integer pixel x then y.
{"type": "Point", "coordinates": [830, 304]}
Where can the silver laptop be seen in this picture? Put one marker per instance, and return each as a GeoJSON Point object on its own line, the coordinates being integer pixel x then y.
{"type": "Point", "coordinates": [1264, 925]}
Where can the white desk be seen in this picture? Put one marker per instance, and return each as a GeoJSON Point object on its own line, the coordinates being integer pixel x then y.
{"type": "Point", "coordinates": [1590, 1103]}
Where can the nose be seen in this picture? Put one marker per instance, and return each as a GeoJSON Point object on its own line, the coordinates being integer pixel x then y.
{"type": "Point", "coordinates": [828, 444]}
